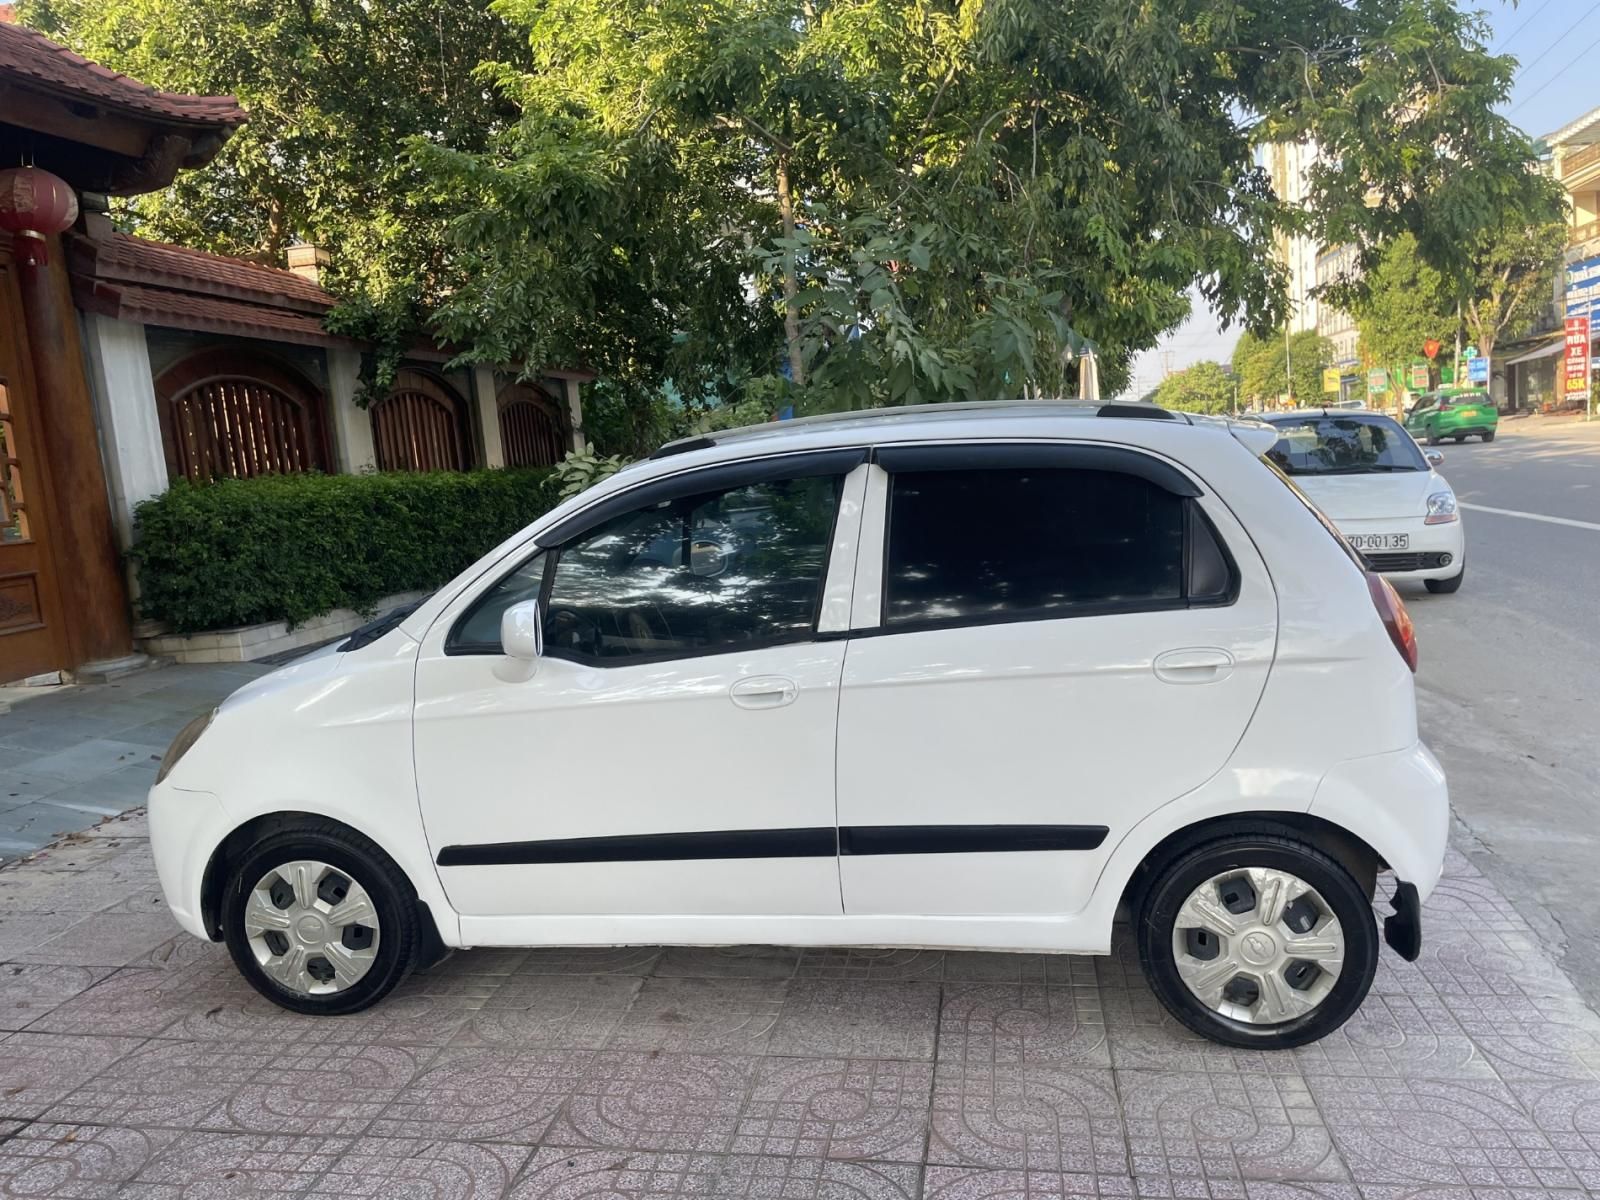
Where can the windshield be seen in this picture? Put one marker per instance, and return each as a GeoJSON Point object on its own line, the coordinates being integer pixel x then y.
{"type": "Point", "coordinates": [1344, 445]}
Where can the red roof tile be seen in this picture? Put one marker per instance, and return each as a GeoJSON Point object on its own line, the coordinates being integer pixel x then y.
{"type": "Point", "coordinates": [161, 264]}
{"type": "Point", "coordinates": [184, 310]}
{"type": "Point", "coordinates": [50, 65]}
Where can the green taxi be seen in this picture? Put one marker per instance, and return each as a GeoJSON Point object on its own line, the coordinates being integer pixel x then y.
{"type": "Point", "coordinates": [1453, 413]}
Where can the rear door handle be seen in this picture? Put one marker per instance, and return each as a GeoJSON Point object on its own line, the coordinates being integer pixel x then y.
{"type": "Point", "coordinates": [1195, 664]}
{"type": "Point", "coordinates": [764, 691]}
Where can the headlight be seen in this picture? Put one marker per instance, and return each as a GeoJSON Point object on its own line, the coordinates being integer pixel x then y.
{"type": "Point", "coordinates": [187, 737]}
{"type": "Point", "coordinates": [1441, 509]}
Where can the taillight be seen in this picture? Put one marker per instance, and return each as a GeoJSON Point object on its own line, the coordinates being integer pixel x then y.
{"type": "Point", "coordinates": [1395, 617]}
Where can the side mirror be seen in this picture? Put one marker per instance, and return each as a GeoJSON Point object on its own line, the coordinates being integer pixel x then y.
{"type": "Point", "coordinates": [1434, 457]}
{"type": "Point", "coordinates": [521, 640]}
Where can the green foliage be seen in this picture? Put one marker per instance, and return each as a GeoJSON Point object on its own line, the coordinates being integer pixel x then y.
{"type": "Point", "coordinates": [579, 471]}
{"type": "Point", "coordinates": [1406, 303]}
{"type": "Point", "coordinates": [290, 547]}
{"type": "Point", "coordinates": [1513, 281]}
{"type": "Point", "coordinates": [1260, 367]}
{"type": "Point", "coordinates": [1202, 388]}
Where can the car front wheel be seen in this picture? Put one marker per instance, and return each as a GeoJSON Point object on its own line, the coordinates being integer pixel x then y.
{"type": "Point", "coordinates": [320, 920]}
{"type": "Point", "coordinates": [1262, 942]}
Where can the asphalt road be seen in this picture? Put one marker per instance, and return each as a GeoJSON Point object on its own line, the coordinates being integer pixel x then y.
{"type": "Point", "coordinates": [1509, 685]}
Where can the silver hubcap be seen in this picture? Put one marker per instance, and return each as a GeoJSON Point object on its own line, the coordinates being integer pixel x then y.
{"type": "Point", "coordinates": [1258, 945]}
{"type": "Point", "coordinates": [311, 927]}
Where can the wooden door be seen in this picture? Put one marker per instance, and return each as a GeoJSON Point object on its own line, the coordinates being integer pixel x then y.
{"type": "Point", "coordinates": [32, 634]}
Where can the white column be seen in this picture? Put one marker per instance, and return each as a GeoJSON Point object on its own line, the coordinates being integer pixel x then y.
{"type": "Point", "coordinates": [125, 406]}
{"type": "Point", "coordinates": [484, 395]}
{"type": "Point", "coordinates": [352, 425]}
{"type": "Point", "coordinates": [574, 412]}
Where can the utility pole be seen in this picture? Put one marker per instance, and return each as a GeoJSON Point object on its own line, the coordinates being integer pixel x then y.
{"type": "Point", "coordinates": [1288, 367]}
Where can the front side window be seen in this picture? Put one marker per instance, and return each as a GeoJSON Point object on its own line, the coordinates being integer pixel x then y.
{"type": "Point", "coordinates": [704, 574]}
{"type": "Point", "coordinates": [968, 546]}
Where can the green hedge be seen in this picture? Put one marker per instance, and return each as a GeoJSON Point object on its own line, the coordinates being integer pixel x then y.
{"type": "Point", "coordinates": [290, 547]}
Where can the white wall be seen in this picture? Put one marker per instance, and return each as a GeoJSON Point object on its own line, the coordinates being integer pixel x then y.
{"type": "Point", "coordinates": [125, 410]}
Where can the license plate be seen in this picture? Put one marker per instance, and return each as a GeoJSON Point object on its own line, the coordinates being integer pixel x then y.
{"type": "Point", "coordinates": [1469, 412]}
{"type": "Point", "coordinates": [1380, 541]}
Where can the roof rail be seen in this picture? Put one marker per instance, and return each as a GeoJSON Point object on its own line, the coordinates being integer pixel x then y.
{"type": "Point", "coordinates": [1139, 411]}
{"type": "Point", "coordinates": [684, 446]}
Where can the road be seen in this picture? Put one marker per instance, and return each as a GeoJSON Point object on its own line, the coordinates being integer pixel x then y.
{"type": "Point", "coordinates": [1509, 685]}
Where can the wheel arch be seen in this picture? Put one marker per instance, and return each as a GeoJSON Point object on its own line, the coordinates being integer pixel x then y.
{"type": "Point", "coordinates": [214, 879]}
{"type": "Point", "coordinates": [1338, 843]}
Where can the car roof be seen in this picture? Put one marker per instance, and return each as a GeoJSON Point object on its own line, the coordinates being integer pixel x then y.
{"type": "Point", "coordinates": [866, 425]}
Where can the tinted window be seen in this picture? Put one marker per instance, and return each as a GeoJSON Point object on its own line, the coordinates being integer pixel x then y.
{"type": "Point", "coordinates": [480, 628]}
{"type": "Point", "coordinates": [1008, 544]}
{"type": "Point", "coordinates": [1344, 446]}
{"type": "Point", "coordinates": [699, 575]}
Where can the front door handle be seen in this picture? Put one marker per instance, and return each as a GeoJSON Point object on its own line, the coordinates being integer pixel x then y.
{"type": "Point", "coordinates": [764, 691]}
{"type": "Point", "coordinates": [1195, 664]}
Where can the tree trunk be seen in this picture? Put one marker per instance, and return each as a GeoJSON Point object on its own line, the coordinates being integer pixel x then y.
{"type": "Point", "coordinates": [791, 285]}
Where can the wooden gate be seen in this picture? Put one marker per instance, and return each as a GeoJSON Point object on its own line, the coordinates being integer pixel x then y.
{"type": "Point", "coordinates": [33, 636]}
{"type": "Point", "coordinates": [420, 426]}
{"type": "Point", "coordinates": [233, 413]}
{"type": "Point", "coordinates": [531, 434]}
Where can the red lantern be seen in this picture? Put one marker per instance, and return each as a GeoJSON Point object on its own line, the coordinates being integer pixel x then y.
{"type": "Point", "coordinates": [35, 205]}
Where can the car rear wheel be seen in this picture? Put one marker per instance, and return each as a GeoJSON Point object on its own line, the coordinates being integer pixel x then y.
{"type": "Point", "coordinates": [1262, 942]}
{"type": "Point", "coordinates": [320, 920]}
{"type": "Point", "coordinates": [1433, 438]}
{"type": "Point", "coordinates": [1489, 436]}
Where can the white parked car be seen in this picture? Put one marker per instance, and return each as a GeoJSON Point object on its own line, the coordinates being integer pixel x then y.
{"type": "Point", "coordinates": [1380, 488]}
{"type": "Point", "coordinates": [966, 676]}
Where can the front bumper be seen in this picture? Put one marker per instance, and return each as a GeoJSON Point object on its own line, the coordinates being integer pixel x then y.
{"type": "Point", "coordinates": [185, 827]}
{"type": "Point", "coordinates": [1422, 557]}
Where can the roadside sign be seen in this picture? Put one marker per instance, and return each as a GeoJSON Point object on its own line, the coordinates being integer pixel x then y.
{"type": "Point", "coordinates": [1419, 377]}
{"type": "Point", "coordinates": [1583, 288]}
{"type": "Point", "coordinates": [1330, 379]}
{"type": "Point", "coordinates": [1576, 358]}
{"type": "Point", "coordinates": [1377, 380]}
{"type": "Point", "coordinates": [1431, 347]}
{"type": "Point", "coordinates": [1477, 370]}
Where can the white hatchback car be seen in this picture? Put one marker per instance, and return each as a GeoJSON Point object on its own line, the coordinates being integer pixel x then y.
{"type": "Point", "coordinates": [967, 676]}
{"type": "Point", "coordinates": [1380, 488]}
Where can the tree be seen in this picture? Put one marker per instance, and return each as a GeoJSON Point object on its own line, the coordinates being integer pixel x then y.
{"type": "Point", "coordinates": [1263, 366]}
{"type": "Point", "coordinates": [867, 200]}
{"type": "Point", "coordinates": [1202, 388]}
{"type": "Point", "coordinates": [1406, 302]}
{"type": "Point", "coordinates": [1514, 281]}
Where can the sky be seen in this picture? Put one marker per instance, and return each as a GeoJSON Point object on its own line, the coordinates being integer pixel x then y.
{"type": "Point", "coordinates": [1557, 44]}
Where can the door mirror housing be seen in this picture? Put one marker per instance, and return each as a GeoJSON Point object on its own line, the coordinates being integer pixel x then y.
{"type": "Point", "coordinates": [1434, 457]}
{"type": "Point", "coordinates": [521, 641]}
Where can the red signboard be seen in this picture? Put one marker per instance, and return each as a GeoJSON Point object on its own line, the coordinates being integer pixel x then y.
{"type": "Point", "coordinates": [1577, 357]}
{"type": "Point", "coordinates": [1431, 347]}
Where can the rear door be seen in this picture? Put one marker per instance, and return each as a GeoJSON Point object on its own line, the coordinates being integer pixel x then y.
{"type": "Point", "coordinates": [1050, 642]}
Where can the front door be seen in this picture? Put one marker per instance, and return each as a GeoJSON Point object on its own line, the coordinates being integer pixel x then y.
{"type": "Point", "coordinates": [1064, 639]}
{"type": "Point", "coordinates": [32, 638]}
{"type": "Point", "coordinates": [673, 751]}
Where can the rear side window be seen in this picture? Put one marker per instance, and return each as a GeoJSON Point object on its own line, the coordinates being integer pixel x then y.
{"type": "Point", "coordinates": [974, 546]}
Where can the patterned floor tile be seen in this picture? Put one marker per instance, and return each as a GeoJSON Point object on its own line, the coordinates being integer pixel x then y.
{"type": "Point", "coordinates": [837, 1108]}
{"type": "Point", "coordinates": [653, 1101]}
{"type": "Point", "coordinates": [1489, 963]}
{"type": "Point", "coordinates": [1027, 1118]}
{"type": "Point", "coordinates": [978, 1183]}
{"type": "Point", "coordinates": [1412, 1131]}
{"type": "Point", "coordinates": [1211, 1127]}
{"type": "Point", "coordinates": [728, 962]}
{"type": "Point", "coordinates": [1144, 1036]}
{"type": "Point", "coordinates": [38, 1070]}
{"type": "Point", "coordinates": [327, 1089]}
{"type": "Point", "coordinates": [142, 1001]}
{"type": "Point", "coordinates": [484, 1095]}
{"type": "Point", "coordinates": [30, 990]}
{"type": "Point", "coordinates": [825, 1018]}
{"type": "Point", "coordinates": [423, 1169]}
{"type": "Point", "coordinates": [75, 1162]}
{"type": "Point", "coordinates": [835, 962]}
{"type": "Point", "coordinates": [20, 932]}
{"type": "Point", "coordinates": [496, 961]}
{"type": "Point", "coordinates": [591, 960]}
{"type": "Point", "coordinates": [221, 1166]}
{"type": "Point", "coordinates": [107, 939]}
{"type": "Point", "coordinates": [569, 1012]}
{"type": "Point", "coordinates": [995, 1024]}
{"type": "Point", "coordinates": [175, 1085]}
{"type": "Point", "coordinates": [1568, 1114]}
{"type": "Point", "coordinates": [556, 1174]}
{"type": "Point", "coordinates": [1413, 1036]}
{"type": "Point", "coordinates": [735, 1016]}
{"type": "Point", "coordinates": [1531, 1037]}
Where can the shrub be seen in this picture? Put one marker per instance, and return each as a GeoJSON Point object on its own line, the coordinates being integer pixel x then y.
{"type": "Point", "coordinates": [290, 547]}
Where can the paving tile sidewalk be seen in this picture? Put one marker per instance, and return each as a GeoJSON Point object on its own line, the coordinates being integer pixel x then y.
{"type": "Point", "coordinates": [134, 1062]}
{"type": "Point", "coordinates": [71, 756]}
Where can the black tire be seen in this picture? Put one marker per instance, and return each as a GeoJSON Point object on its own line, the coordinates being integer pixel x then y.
{"type": "Point", "coordinates": [1172, 886]}
{"type": "Point", "coordinates": [1489, 436]}
{"type": "Point", "coordinates": [1459, 438]}
{"type": "Point", "coordinates": [1433, 438]}
{"type": "Point", "coordinates": [391, 893]}
{"type": "Point", "coordinates": [1447, 587]}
